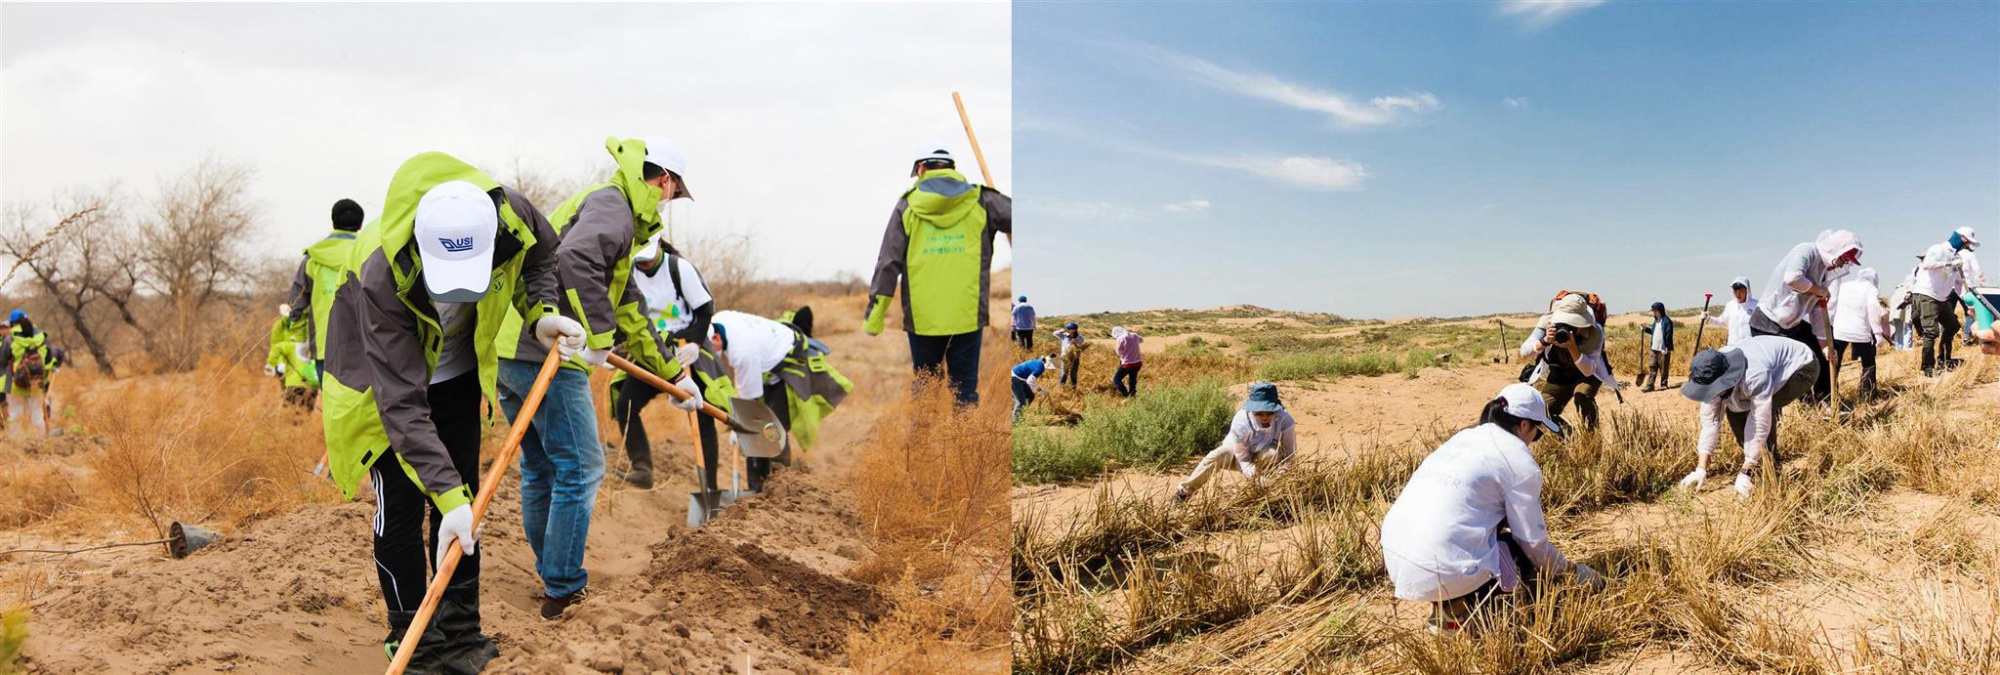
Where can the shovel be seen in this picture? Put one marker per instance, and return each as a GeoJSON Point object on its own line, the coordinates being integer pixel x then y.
{"type": "Point", "coordinates": [747, 423]}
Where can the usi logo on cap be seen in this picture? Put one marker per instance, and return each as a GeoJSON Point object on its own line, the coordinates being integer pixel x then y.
{"type": "Point", "coordinates": [459, 245]}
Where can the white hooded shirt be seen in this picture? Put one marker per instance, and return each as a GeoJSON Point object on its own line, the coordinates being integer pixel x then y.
{"type": "Point", "coordinates": [756, 346]}
{"type": "Point", "coordinates": [1440, 539]}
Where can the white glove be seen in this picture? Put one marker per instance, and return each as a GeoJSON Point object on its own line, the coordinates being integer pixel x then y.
{"type": "Point", "coordinates": [457, 525]}
{"type": "Point", "coordinates": [1694, 479]}
{"type": "Point", "coordinates": [270, 371]}
{"type": "Point", "coordinates": [1743, 485]}
{"type": "Point", "coordinates": [304, 353]}
{"type": "Point", "coordinates": [687, 353]}
{"type": "Point", "coordinates": [1590, 577]}
{"type": "Point", "coordinates": [562, 333]}
{"type": "Point", "coordinates": [596, 357]}
{"type": "Point", "coordinates": [693, 401]}
{"type": "Point", "coordinates": [281, 369]}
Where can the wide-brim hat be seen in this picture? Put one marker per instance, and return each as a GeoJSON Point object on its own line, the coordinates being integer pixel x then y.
{"type": "Point", "coordinates": [1714, 372]}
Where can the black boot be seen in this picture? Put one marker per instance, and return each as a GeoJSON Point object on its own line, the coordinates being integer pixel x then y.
{"type": "Point", "coordinates": [756, 470]}
{"type": "Point", "coordinates": [426, 659]}
{"type": "Point", "coordinates": [641, 475]}
{"type": "Point", "coordinates": [465, 650]}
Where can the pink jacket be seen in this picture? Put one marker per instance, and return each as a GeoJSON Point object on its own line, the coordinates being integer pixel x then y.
{"type": "Point", "coordinates": [1128, 349]}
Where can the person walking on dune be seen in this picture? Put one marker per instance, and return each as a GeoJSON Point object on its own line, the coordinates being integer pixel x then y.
{"type": "Point", "coordinates": [1126, 380]}
{"type": "Point", "coordinates": [1936, 295]}
{"type": "Point", "coordinates": [1024, 323]}
{"type": "Point", "coordinates": [1026, 382]}
{"type": "Point", "coordinates": [1750, 384]}
{"type": "Point", "coordinates": [1069, 348]}
{"type": "Point", "coordinates": [938, 252]}
{"type": "Point", "coordinates": [1735, 314]}
{"type": "Point", "coordinates": [1468, 528]}
{"type": "Point", "coordinates": [1859, 323]}
{"type": "Point", "coordinates": [410, 358]}
{"type": "Point", "coordinates": [1262, 439]}
{"type": "Point", "coordinates": [1568, 344]}
{"type": "Point", "coordinates": [562, 460]}
{"type": "Point", "coordinates": [319, 273]}
{"type": "Point", "coordinates": [1660, 351]}
{"type": "Point", "coordinates": [1798, 291]}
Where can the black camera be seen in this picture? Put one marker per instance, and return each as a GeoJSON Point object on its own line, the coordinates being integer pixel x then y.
{"type": "Point", "coordinates": [1564, 333]}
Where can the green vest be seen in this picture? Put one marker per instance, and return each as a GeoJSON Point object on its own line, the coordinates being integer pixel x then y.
{"type": "Point", "coordinates": [353, 423]}
{"type": "Point", "coordinates": [947, 230]}
{"type": "Point", "coordinates": [19, 346]}
{"type": "Point", "coordinates": [285, 340]}
{"type": "Point", "coordinates": [325, 262]}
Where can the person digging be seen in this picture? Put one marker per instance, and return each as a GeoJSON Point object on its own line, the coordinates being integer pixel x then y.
{"type": "Point", "coordinates": [1750, 384]}
{"type": "Point", "coordinates": [1126, 380]}
{"type": "Point", "coordinates": [938, 253]}
{"type": "Point", "coordinates": [1069, 348]}
{"type": "Point", "coordinates": [409, 360]}
{"type": "Point", "coordinates": [1026, 381]}
{"type": "Point", "coordinates": [1261, 441]}
{"type": "Point", "coordinates": [1798, 291]}
{"type": "Point", "coordinates": [779, 364]}
{"type": "Point", "coordinates": [1468, 527]}
{"type": "Point", "coordinates": [1660, 351]}
{"type": "Point", "coordinates": [680, 307]}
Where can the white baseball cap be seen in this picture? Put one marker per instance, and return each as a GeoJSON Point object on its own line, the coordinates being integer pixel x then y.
{"type": "Point", "coordinates": [456, 225]}
{"type": "Point", "coordinates": [1525, 402]}
{"type": "Point", "coordinates": [933, 150]}
{"type": "Point", "coordinates": [1966, 233]}
{"type": "Point", "coordinates": [666, 154]}
{"type": "Point", "coordinates": [647, 253]}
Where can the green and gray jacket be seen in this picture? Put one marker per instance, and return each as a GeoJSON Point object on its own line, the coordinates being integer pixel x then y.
{"type": "Point", "coordinates": [313, 285]}
{"type": "Point", "coordinates": [286, 336]}
{"type": "Point", "coordinates": [597, 230]}
{"type": "Point", "coordinates": [938, 250]}
{"type": "Point", "coordinates": [383, 335]}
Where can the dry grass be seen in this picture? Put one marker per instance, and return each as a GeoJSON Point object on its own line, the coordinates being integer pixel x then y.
{"type": "Point", "coordinates": [1115, 586]}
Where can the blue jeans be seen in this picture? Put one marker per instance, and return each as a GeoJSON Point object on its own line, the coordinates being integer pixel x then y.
{"type": "Point", "coordinates": [561, 465]}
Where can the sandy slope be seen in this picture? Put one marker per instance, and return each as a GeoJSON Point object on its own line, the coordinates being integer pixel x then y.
{"type": "Point", "coordinates": [762, 588]}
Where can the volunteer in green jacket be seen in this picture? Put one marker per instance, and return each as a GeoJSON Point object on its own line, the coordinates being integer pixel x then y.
{"type": "Point", "coordinates": [410, 354]}
{"type": "Point", "coordinates": [938, 251]}
{"type": "Point", "coordinates": [562, 460]}
{"type": "Point", "coordinates": [290, 362]}
{"type": "Point", "coordinates": [311, 295]}
{"type": "Point", "coordinates": [27, 369]}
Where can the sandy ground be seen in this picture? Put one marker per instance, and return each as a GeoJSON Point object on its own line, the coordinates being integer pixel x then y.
{"type": "Point", "coordinates": [762, 589]}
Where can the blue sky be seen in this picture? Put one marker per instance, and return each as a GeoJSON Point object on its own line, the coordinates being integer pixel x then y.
{"type": "Point", "coordinates": [1443, 159]}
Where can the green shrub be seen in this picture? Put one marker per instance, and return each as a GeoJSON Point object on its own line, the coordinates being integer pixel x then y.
{"type": "Point", "coordinates": [1162, 426]}
{"type": "Point", "coordinates": [1325, 364]}
{"type": "Point", "coordinates": [1045, 456]}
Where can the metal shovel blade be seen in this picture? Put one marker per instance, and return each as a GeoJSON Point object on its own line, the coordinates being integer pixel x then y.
{"type": "Point", "coordinates": [760, 434]}
{"type": "Point", "coordinates": [185, 539]}
{"type": "Point", "coordinates": [701, 510]}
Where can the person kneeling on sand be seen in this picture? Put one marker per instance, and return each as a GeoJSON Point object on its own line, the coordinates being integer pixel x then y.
{"type": "Point", "coordinates": [1752, 383]}
{"type": "Point", "coordinates": [1469, 525]}
{"type": "Point", "coordinates": [1261, 437]}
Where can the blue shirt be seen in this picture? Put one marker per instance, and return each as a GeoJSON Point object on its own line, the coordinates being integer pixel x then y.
{"type": "Point", "coordinates": [1024, 317]}
{"type": "Point", "coordinates": [1030, 368]}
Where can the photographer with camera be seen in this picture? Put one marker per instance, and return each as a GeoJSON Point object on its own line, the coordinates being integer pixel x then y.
{"type": "Point", "coordinates": [1568, 344]}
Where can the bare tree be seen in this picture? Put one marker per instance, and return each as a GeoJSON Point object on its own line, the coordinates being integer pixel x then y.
{"type": "Point", "coordinates": [73, 262]}
{"type": "Point", "coordinates": [730, 266]}
{"type": "Point", "coordinates": [195, 252]}
{"type": "Point", "coordinates": [546, 189]}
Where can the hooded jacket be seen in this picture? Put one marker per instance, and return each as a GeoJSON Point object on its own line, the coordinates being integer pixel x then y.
{"type": "Point", "coordinates": [18, 346]}
{"type": "Point", "coordinates": [384, 339]}
{"type": "Point", "coordinates": [938, 250]}
{"type": "Point", "coordinates": [597, 230]}
{"type": "Point", "coordinates": [286, 338]}
{"type": "Point", "coordinates": [313, 285]}
{"type": "Point", "coordinates": [1803, 269]}
{"type": "Point", "coordinates": [1857, 311]}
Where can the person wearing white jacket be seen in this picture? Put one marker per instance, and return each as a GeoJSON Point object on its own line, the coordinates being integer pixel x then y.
{"type": "Point", "coordinates": [1940, 283]}
{"type": "Point", "coordinates": [1799, 287]}
{"type": "Point", "coordinates": [1859, 323]}
{"type": "Point", "coordinates": [1735, 316]}
{"type": "Point", "coordinates": [1469, 524]}
{"type": "Point", "coordinates": [1750, 384]}
{"type": "Point", "coordinates": [754, 347]}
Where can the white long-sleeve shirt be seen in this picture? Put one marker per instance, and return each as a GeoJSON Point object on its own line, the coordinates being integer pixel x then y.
{"type": "Point", "coordinates": [1939, 275]}
{"type": "Point", "coordinates": [1785, 300]}
{"type": "Point", "coordinates": [756, 346]}
{"type": "Point", "coordinates": [1247, 441]}
{"type": "Point", "coordinates": [1772, 360]}
{"type": "Point", "coordinates": [1857, 311]}
{"type": "Point", "coordinates": [1592, 363]}
{"type": "Point", "coordinates": [1735, 317]}
{"type": "Point", "coordinates": [1440, 541]}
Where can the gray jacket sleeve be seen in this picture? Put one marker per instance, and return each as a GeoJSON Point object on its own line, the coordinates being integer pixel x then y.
{"type": "Point", "coordinates": [889, 263]}
{"type": "Point", "coordinates": [594, 241]}
{"type": "Point", "coordinates": [999, 210]}
{"type": "Point", "coordinates": [300, 295]}
{"type": "Point", "coordinates": [538, 269]}
{"type": "Point", "coordinates": [401, 379]}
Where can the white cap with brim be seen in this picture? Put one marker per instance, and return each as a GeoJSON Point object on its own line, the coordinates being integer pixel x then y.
{"type": "Point", "coordinates": [666, 154]}
{"type": "Point", "coordinates": [931, 151]}
{"type": "Point", "coordinates": [456, 224]}
{"type": "Point", "coordinates": [1970, 236]}
{"type": "Point", "coordinates": [1525, 402]}
{"type": "Point", "coordinates": [648, 253]}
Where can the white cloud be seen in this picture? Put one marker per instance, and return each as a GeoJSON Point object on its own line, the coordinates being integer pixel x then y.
{"type": "Point", "coordinates": [1344, 110]}
{"type": "Point", "coordinates": [1094, 211]}
{"type": "Point", "coordinates": [798, 121]}
{"type": "Point", "coordinates": [1515, 101]}
{"type": "Point", "coordinates": [1540, 13]}
{"type": "Point", "coordinates": [1318, 173]}
{"type": "Point", "coordinates": [1188, 206]}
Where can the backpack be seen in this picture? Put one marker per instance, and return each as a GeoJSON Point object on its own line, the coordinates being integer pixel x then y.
{"type": "Point", "coordinates": [29, 371]}
{"type": "Point", "coordinates": [1596, 304]}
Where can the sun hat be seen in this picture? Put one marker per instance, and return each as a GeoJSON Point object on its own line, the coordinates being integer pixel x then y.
{"type": "Point", "coordinates": [1714, 372]}
{"type": "Point", "coordinates": [1263, 398]}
